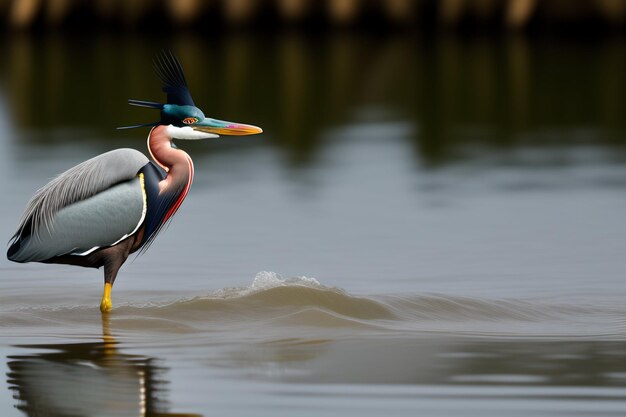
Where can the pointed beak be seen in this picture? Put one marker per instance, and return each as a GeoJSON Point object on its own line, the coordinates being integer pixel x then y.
{"type": "Point", "coordinates": [222, 127]}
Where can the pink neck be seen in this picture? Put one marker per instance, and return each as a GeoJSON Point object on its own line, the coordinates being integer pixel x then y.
{"type": "Point", "coordinates": [176, 162]}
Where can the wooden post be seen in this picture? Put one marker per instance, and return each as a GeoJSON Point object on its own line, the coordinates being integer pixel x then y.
{"type": "Point", "coordinates": [293, 10]}
{"type": "Point", "coordinates": [240, 11]}
{"type": "Point", "coordinates": [185, 11]}
{"type": "Point", "coordinates": [400, 11]}
{"type": "Point", "coordinates": [23, 12]}
{"type": "Point", "coordinates": [343, 11]}
{"type": "Point", "coordinates": [451, 12]}
{"type": "Point", "coordinates": [519, 12]}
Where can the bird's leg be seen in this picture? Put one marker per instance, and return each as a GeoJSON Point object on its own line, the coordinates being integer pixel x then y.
{"type": "Point", "coordinates": [114, 257]}
{"type": "Point", "coordinates": [106, 304]}
{"type": "Point", "coordinates": [110, 272]}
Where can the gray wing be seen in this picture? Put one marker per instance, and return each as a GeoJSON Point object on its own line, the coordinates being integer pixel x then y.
{"type": "Point", "coordinates": [79, 183]}
{"type": "Point", "coordinates": [80, 228]}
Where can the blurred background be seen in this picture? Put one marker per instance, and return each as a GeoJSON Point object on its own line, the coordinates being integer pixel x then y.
{"type": "Point", "coordinates": [405, 14]}
{"type": "Point", "coordinates": [407, 145]}
{"type": "Point", "coordinates": [457, 169]}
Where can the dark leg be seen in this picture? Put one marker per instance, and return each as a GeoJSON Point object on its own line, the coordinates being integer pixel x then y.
{"type": "Point", "coordinates": [114, 257]}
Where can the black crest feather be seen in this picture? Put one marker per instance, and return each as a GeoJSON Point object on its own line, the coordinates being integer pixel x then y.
{"type": "Point", "coordinates": [144, 103]}
{"type": "Point", "coordinates": [169, 70]}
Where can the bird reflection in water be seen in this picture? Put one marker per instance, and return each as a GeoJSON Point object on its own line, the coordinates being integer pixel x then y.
{"type": "Point", "coordinates": [93, 379]}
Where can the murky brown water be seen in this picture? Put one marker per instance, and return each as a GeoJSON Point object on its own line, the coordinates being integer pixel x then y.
{"type": "Point", "coordinates": [458, 203]}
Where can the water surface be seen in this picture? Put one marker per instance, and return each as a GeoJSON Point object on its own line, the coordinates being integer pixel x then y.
{"type": "Point", "coordinates": [426, 225]}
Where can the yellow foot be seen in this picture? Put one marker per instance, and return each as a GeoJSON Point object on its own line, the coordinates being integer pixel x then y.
{"type": "Point", "coordinates": [106, 305]}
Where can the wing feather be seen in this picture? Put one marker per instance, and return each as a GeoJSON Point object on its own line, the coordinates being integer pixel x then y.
{"type": "Point", "coordinates": [76, 184]}
{"type": "Point", "coordinates": [80, 228]}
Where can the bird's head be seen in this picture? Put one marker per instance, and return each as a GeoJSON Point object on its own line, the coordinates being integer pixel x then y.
{"type": "Point", "coordinates": [180, 114]}
{"type": "Point", "coordinates": [188, 118]}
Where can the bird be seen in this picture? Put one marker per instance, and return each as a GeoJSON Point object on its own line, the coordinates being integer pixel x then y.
{"type": "Point", "coordinates": [102, 210]}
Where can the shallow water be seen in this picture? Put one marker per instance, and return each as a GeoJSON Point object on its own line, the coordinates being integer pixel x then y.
{"type": "Point", "coordinates": [447, 217]}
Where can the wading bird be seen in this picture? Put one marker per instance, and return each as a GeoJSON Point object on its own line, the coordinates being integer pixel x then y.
{"type": "Point", "coordinates": [100, 211]}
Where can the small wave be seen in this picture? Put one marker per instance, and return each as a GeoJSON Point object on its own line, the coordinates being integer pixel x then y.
{"type": "Point", "coordinates": [437, 307]}
{"type": "Point", "coordinates": [270, 295]}
{"type": "Point", "coordinates": [275, 302]}
{"type": "Point", "coordinates": [303, 301]}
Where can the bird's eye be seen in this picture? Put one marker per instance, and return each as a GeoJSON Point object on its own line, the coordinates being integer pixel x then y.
{"type": "Point", "coordinates": [190, 120]}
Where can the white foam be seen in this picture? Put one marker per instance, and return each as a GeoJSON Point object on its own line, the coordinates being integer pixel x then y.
{"type": "Point", "coordinates": [267, 279]}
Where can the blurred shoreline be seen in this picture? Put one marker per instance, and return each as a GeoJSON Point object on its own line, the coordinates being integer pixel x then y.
{"type": "Point", "coordinates": [453, 91]}
{"type": "Point", "coordinates": [530, 16]}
